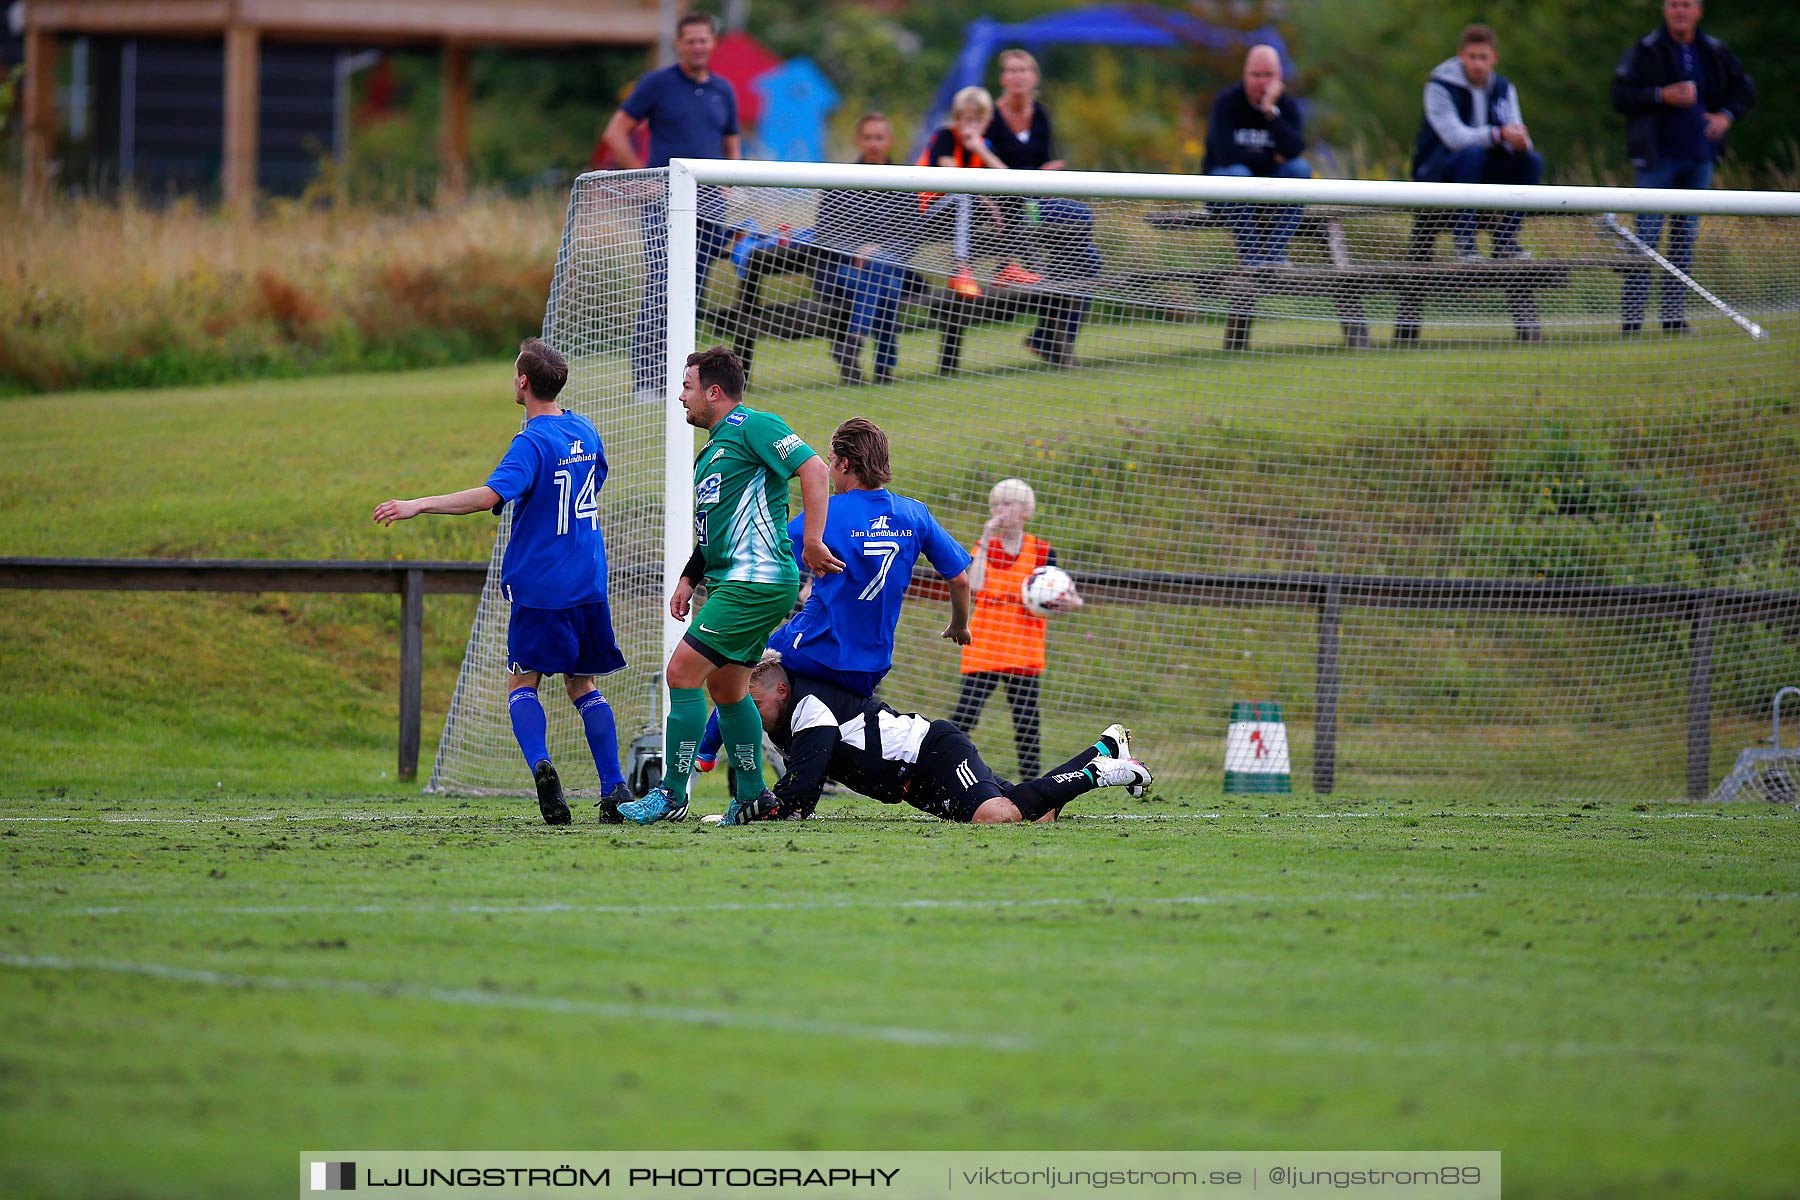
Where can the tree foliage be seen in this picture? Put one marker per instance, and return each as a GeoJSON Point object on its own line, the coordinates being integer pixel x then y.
{"type": "Point", "coordinates": [1371, 61]}
{"type": "Point", "coordinates": [1361, 65]}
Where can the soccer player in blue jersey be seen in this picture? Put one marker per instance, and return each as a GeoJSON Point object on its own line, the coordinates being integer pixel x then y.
{"type": "Point", "coordinates": [554, 574]}
{"type": "Point", "coordinates": [845, 632]}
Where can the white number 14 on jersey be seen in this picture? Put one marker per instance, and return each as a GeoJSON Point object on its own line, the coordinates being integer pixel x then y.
{"type": "Point", "coordinates": [586, 506]}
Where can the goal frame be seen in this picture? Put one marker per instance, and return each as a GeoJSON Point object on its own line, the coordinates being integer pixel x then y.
{"type": "Point", "coordinates": [688, 175]}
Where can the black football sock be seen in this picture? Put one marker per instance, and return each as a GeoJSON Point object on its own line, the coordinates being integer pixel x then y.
{"type": "Point", "coordinates": [1088, 755]}
{"type": "Point", "coordinates": [1035, 797]}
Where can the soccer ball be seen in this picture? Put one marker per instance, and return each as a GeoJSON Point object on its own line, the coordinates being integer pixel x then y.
{"type": "Point", "coordinates": [1044, 588]}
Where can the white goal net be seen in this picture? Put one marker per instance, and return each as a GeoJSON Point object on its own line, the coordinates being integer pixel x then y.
{"type": "Point", "coordinates": [1469, 502]}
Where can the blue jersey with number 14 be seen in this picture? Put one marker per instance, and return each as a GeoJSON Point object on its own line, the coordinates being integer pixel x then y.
{"type": "Point", "coordinates": [848, 622]}
{"type": "Point", "coordinates": [552, 472]}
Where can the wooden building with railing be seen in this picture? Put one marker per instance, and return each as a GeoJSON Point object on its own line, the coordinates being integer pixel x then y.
{"type": "Point", "coordinates": [261, 75]}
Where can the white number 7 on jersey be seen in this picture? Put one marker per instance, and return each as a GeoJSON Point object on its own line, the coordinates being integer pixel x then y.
{"type": "Point", "coordinates": [886, 552]}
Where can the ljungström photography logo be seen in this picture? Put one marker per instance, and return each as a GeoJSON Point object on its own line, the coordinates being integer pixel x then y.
{"type": "Point", "coordinates": [334, 1177]}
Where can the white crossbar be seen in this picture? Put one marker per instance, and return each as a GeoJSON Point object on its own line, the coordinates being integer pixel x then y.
{"type": "Point", "coordinates": [1202, 188]}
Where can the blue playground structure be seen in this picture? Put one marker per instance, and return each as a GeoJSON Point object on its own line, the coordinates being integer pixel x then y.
{"type": "Point", "coordinates": [1101, 25]}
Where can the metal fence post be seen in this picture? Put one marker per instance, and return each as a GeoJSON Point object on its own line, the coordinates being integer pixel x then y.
{"type": "Point", "coordinates": [1326, 687]}
{"type": "Point", "coordinates": [412, 670]}
{"type": "Point", "coordinates": [1700, 673]}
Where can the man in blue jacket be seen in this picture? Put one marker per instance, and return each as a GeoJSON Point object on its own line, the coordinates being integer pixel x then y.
{"type": "Point", "coordinates": [1255, 130]}
{"type": "Point", "coordinates": [1680, 92]}
{"type": "Point", "coordinates": [1473, 132]}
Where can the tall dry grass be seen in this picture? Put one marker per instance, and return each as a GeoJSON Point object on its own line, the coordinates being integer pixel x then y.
{"type": "Point", "coordinates": [100, 294]}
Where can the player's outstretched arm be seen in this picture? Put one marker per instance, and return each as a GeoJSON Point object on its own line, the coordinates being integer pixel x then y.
{"type": "Point", "coordinates": [456, 504]}
{"type": "Point", "coordinates": [808, 759]}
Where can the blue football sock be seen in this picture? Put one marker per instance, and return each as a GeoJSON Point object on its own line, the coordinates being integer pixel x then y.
{"type": "Point", "coordinates": [712, 739]}
{"type": "Point", "coordinates": [602, 738]}
{"type": "Point", "coordinates": [529, 725]}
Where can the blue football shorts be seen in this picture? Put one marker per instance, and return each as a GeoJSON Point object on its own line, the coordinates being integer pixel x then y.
{"type": "Point", "coordinates": [563, 641]}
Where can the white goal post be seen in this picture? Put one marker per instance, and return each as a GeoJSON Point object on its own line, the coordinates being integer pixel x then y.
{"type": "Point", "coordinates": [1628, 625]}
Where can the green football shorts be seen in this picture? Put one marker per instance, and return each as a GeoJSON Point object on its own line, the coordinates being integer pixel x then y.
{"type": "Point", "coordinates": [735, 623]}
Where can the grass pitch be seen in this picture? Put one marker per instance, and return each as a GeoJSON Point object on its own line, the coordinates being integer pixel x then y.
{"type": "Point", "coordinates": [181, 696]}
{"type": "Point", "coordinates": [194, 992]}
{"type": "Point", "coordinates": [285, 950]}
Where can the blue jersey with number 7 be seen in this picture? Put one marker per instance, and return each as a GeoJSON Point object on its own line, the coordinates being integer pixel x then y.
{"type": "Point", "coordinates": [552, 473]}
{"type": "Point", "coordinates": [848, 622]}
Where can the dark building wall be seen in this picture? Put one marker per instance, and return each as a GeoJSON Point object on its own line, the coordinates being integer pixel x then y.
{"type": "Point", "coordinates": [159, 115]}
{"type": "Point", "coordinates": [299, 115]}
{"type": "Point", "coordinates": [12, 53]}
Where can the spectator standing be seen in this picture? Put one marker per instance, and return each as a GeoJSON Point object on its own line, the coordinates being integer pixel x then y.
{"type": "Point", "coordinates": [1021, 137]}
{"type": "Point", "coordinates": [1680, 91]}
{"type": "Point", "coordinates": [1007, 639]}
{"type": "Point", "coordinates": [692, 113]}
{"type": "Point", "coordinates": [1474, 132]}
{"type": "Point", "coordinates": [1255, 130]}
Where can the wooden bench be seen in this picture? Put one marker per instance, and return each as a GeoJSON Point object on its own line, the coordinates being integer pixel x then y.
{"type": "Point", "coordinates": [954, 314]}
{"type": "Point", "coordinates": [950, 313]}
{"type": "Point", "coordinates": [1412, 279]}
{"type": "Point", "coordinates": [750, 319]}
{"type": "Point", "coordinates": [1254, 282]}
{"type": "Point", "coordinates": [1237, 290]}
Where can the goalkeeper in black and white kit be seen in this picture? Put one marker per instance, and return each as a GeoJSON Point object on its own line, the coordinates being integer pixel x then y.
{"type": "Point", "coordinates": [894, 757]}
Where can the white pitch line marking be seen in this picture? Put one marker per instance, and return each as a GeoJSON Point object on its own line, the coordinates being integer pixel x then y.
{"type": "Point", "coordinates": [532, 818]}
{"type": "Point", "coordinates": [781, 906]}
{"type": "Point", "coordinates": [771, 906]}
{"type": "Point", "coordinates": [721, 1018]}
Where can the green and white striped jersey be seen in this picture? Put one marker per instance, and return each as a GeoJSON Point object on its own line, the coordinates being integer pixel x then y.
{"type": "Point", "coordinates": [741, 498]}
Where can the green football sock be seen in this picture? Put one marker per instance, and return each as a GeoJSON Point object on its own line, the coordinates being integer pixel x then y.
{"type": "Point", "coordinates": [681, 736]}
{"type": "Point", "coordinates": [741, 726]}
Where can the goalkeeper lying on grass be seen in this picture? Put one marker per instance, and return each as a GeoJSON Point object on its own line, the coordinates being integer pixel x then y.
{"type": "Point", "coordinates": [826, 732]}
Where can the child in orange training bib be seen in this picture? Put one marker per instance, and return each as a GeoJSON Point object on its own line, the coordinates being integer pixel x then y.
{"type": "Point", "coordinates": [1007, 639]}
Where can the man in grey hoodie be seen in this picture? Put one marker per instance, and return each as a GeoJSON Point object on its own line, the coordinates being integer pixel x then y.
{"type": "Point", "coordinates": [1473, 132]}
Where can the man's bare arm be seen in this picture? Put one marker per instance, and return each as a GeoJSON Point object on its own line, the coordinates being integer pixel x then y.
{"type": "Point", "coordinates": [618, 140]}
{"type": "Point", "coordinates": [815, 491]}
{"type": "Point", "coordinates": [455, 504]}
